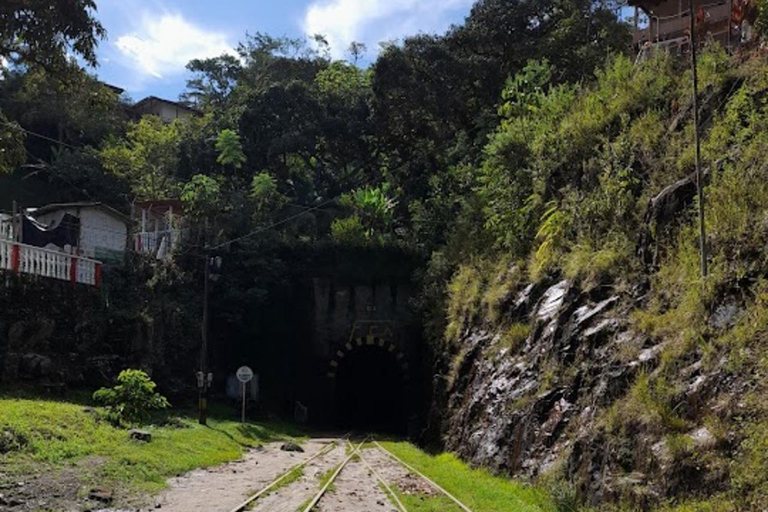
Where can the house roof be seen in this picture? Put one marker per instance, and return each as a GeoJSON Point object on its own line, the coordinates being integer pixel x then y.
{"type": "Point", "coordinates": [117, 90]}
{"type": "Point", "coordinates": [50, 208]}
{"type": "Point", "coordinates": [155, 99]}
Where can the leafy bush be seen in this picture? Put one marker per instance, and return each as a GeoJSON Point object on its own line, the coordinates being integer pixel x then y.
{"type": "Point", "coordinates": [373, 206]}
{"type": "Point", "coordinates": [11, 440]}
{"type": "Point", "coordinates": [132, 400]}
{"type": "Point", "coordinates": [349, 231]}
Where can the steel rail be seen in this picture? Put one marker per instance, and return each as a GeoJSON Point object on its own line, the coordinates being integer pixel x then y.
{"type": "Point", "coordinates": [336, 473]}
{"type": "Point", "coordinates": [382, 481]}
{"type": "Point", "coordinates": [413, 470]}
{"type": "Point", "coordinates": [241, 507]}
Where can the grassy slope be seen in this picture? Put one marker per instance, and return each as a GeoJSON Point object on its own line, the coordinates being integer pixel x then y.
{"type": "Point", "coordinates": [476, 488]}
{"type": "Point", "coordinates": [60, 433]}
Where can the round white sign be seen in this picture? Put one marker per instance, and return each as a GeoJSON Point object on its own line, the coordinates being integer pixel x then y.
{"type": "Point", "coordinates": [244, 374]}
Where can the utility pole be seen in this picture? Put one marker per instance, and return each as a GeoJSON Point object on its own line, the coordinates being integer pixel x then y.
{"type": "Point", "coordinates": [203, 379]}
{"type": "Point", "coordinates": [16, 223]}
{"type": "Point", "coordinates": [697, 142]}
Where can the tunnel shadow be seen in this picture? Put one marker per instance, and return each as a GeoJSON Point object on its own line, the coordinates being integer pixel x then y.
{"type": "Point", "coordinates": [371, 392]}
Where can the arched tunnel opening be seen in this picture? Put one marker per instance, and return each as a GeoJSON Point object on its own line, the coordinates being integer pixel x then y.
{"type": "Point", "coordinates": [371, 392]}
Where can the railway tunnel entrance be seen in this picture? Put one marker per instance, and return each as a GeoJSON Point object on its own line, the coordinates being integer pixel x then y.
{"type": "Point", "coordinates": [371, 392]}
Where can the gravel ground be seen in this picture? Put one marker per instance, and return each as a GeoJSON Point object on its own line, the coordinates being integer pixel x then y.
{"type": "Point", "coordinates": [356, 490]}
{"type": "Point", "coordinates": [292, 496]}
{"type": "Point", "coordinates": [222, 488]}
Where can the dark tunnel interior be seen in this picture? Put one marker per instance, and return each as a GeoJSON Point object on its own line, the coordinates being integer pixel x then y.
{"type": "Point", "coordinates": [370, 392]}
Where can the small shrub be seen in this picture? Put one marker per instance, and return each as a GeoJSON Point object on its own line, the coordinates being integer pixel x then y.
{"type": "Point", "coordinates": [132, 400]}
{"type": "Point", "coordinates": [514, 336]}
{"type": "Point", "coordinates": [349, 231]}
{"type": "Point", "coordinates": [11, 440]}
{"type": "Point", "coordinates": [506, 278]}
{"type": "Point", "coordinates": [464, 296]}
{"type": "Point", "coordinates": [591, 265]}
{"type": "Point", "coordinates": [647, 403]}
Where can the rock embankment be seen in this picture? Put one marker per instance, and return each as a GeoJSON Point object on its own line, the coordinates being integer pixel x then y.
{"type": "Point", "coordinates": [543, 406]}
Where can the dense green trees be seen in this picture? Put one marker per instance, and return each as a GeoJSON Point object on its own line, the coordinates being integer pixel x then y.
{"type": "Point", "coordinates": [38, 34]}
{"type": "Point", "coordinates": [41, 32]}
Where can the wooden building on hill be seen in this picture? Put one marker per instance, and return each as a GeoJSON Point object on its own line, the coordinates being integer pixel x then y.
{"type": "Point", "coordinates": [160, 226]}
{"type": "Point", "coordinates": [666, 23]}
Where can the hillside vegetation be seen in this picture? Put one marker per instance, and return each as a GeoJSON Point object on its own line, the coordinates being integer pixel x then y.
{"type": "Point", "coordinates": [688, 429]}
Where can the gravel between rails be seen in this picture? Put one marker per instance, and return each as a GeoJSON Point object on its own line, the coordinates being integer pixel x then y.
{"type": "Point", "coordinates": [221, 488]}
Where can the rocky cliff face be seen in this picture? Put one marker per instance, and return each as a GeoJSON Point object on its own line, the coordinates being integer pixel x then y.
{"type": "Point", "coordinates": [548, 406]}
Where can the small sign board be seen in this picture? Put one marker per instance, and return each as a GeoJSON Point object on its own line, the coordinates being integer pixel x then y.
{"type": "Point", "coordinates": [244, 374]}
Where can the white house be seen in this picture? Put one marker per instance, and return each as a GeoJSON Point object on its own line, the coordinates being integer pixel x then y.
{"type": "Point", "coordinates": [97, 230]}
{"type": "Point", "coordinates": [66, 242]}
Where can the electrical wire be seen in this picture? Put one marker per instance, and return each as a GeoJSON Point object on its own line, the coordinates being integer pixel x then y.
{"type": "Point", "coordinates": [38, 135]}
{"type": "Point", "coordinates": [274, 225]}
{"type": "Point", "coordinates": [235, 240]}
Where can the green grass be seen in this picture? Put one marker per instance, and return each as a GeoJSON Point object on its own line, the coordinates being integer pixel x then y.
{"type": "Point", "coordinates": [41, 433]}
{"type": "Point", "coordinates": [293, 476]}
{"type": "Point", "coordinates": [422, 503]}
{"type": "Point", "coordinates": [476, 488]}
{"type": "Point", "coordinates": [326, 477]}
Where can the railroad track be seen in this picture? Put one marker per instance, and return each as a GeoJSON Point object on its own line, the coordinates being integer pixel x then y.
{"type": "Point", "coordinates": [356, 451]}
{"type": "Point", "coordinates": [252, 499]}
{"type": "Point", "coordinates": [353, 451]}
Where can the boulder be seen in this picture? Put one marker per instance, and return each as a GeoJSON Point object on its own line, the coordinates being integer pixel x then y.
{"type": "Point", "coordinates": [36, 366]}
{"type": "Point", "coordinates": [662, 209]}
{"type": "Point", "coordinates": [140, 435]}
{"type": "Point", "coordinates": [292, 447]}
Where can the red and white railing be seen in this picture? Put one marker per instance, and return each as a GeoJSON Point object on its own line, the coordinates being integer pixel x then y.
{"type": "Point", "coordinates": [26, 259]}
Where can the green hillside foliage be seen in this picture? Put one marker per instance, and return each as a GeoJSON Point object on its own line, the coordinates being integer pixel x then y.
{"type": "Point", "coordinates": [576, 192]}
{"type": "Point", "coordinates": [521, 146]}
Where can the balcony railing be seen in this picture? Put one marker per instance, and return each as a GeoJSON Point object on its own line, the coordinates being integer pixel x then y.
{"type": "Point", "coordinates": [151, 242]}
{"type": "Point", "coordinates": [676, 26]}
{"type": "Point", "coordinates": [26, 259]}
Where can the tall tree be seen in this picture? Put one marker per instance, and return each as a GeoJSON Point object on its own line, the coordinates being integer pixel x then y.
{"type": "Point", "coordinates": [44, 31]}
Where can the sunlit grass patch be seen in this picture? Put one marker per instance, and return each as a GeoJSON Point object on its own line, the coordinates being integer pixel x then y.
{"type": "Point", "coordinates": [478, 489]}
{"type": "Point", "coordinates": [55, 433]}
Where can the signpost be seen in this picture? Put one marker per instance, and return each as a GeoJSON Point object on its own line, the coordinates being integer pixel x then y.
{"type": "Point", "coordinates": [244, 375]}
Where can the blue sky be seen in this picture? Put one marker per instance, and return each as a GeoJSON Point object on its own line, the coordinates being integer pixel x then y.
{"type": "Point", "coordinates": [150, 41]}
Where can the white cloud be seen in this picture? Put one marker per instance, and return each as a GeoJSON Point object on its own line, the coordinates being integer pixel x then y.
{"type": "Point", "coordinates": [374, 21]}
{"type": "Point", "coordinates": [165, 43]}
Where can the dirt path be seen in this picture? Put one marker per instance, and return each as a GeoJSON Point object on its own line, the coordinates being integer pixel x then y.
{"type": "Point", "coordinates": [224, 487]}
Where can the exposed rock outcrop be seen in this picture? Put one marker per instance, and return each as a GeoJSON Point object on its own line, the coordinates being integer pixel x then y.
{"type": "Point", "coordinates": [542, 407]}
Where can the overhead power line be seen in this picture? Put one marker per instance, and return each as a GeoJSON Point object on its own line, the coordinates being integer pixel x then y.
{"type": "Point", "coordinates": [271, 226]}
{"type": "Point", "coordinates": [38, 135]}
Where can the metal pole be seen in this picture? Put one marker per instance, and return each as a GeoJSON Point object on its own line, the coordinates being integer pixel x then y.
{"type": "Point", "coordinates": [243, 419]}
{"type": "Point", "coordinates": [203, 403]}
{"type": "Point", "coordinates": [697, 142]}
{"type": "Point", "coordinates": [16, 223]}
{"type": "Point", "coordinates": [730, 23]}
